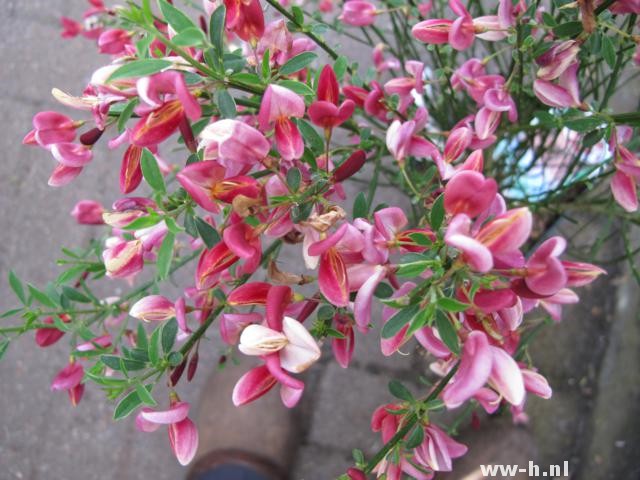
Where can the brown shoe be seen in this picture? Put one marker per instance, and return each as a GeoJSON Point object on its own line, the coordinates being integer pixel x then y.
{"type": "Point", "coordinates": [259, 436]}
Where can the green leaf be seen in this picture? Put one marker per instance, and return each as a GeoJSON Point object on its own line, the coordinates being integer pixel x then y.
{"type": "Point", "coordinates": [360, 207]}
{"type": "Point", "coordinates": [144, 395]}
{"type": "Point", "coordinates": [154, 346]}
{"type": "Point", "coordinates": [175, 359]}
{"type": "Point", "coordinates": [297, 87]}
{"type": "Point", "coordinates": [416, 438]}
{"type": "Point", "coordinates": [144, 222]}
{"type": "Point", "coordinates": [112, 361]}
{"type": "Point", "coordinates": [569, 29]}
{"type": "Point", "coordinates": [165, 256]}
{"type": "Point", "coordinates": [74, 295]}
{"type": "Point", "coordinates": [169, 332]}
{"type": "Point", "coordinates": [70, 274]}
{"type": "Point", "coordinates": [265, 68]}
{"type": "Point", "coordinates": [209, 235]}
{"type": "Point", "coordinates": [151, 172]}
{"type": "Point", "coordinates": [398, 390]}
{"type": "Point", "coordinates": [226, 104]}
{"type": "Point", "coordinates": [246, 78]}
{"type": "Point", "coordinates": [216, 29]}
{"type": "Point", "coordinates": [340, 67]}
{"type": "Point", "coordinates": [447, 333]}
{"type": "Point", "coordinates": [399, 320]}
{"type": "Point", "coordinates": [189, 37]}
{"type": "Point", "coordinates": [421, 319]}
{"type": "Point", "coordinates": [297, 63]}
{"type": "Point", "coordinates": [452, 305]}
{"type": "Point", "coordinates": [139, 68]}
{"type": "Point", "coordinates": [174, 17]}
{"type": "Point", "coordinates": [294, 178]}
{"type": "Point", "coordinates": [608, 51]}
{"type": "Point", "coordinates": [383, 290]}
{"type": "Point", "coordinates": [4, 345]}
{"type": "Point", "coordinates": [583, 124]}
{"type": "Point", "coordinates": [126, 114]}
{"type": "Point", "coordinates": [11, 313]}
{"type": "Point", "coordinates": [436, 216]}
{"type": "Point", "coordinates": [142, 341]}
{"type": "Point", "coordinates": [41, 297]}
{"type": "Point", "coordinates": [127, 405]}
{"type": "Point", "coordinates": [311, 137]}
{"type": "Point", "coordinates": [298, 15]}
{"type": "Point", "coordinates": [16, 286]}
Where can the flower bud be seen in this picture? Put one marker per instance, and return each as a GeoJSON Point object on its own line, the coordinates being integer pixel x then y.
{"type": "Point", "coordinates": [88, 212]}
{"type": "Point", "coordinates": [153, 308]}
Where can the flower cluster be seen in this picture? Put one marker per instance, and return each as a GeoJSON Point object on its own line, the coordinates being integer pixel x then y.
{"type": "Point", "coordinates": [272, 132]}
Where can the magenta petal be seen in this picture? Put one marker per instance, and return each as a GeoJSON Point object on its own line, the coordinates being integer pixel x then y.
{"type": "Point", "coordinates": [288, 139]}
{"type": "Point", "coordinates": [235, 236]}
{"type": "Point", "coordinates": [252, 385]}
{"type": "Point", "coordinates": [332, 278]}
{"type": "Point", "coordinates": [461, 35]}
{"type": "Point", "coordinates": [364, 297]}
{"type": "Point", "coordinates": [183, 437]}
{"type": "Point", "coordinates": [506, 376]}
{"type": "Point", "coordinates": [69, 377]}
{"type": "Point", "coordinates": [473, 373]}
{"type": "Point", "coordinates": [624, 191]}
{"type": "Point", "coordinates": [174, 414]}
{"type": "Point", "coordinates": [71, 154]}
{"type": "Point", "coordinates": [198, 179]}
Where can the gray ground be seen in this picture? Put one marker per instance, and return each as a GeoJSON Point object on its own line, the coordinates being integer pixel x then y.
{"type": "Point", "coordinates": [591, 358]}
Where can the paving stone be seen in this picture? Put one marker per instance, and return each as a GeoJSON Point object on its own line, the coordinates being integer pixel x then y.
{"type": "Point", "coordinates": [343, 408]}
{"type": "Point", "coordinates": [315, 462]}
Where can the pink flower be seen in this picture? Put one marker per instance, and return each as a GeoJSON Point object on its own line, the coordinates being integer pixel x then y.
{"type": "Point", "coordinates": [326, 112]}
{"type": "Point", "coordinates": [245, 18]}
{"type": "Point", "coordinates": [206, 183]}
{"type": "Point", "coordinates": [343, 347]}
{"type": "Point", "coordinates": [113, 41]}
{"type": "Point", "coordinates": [279, 105]}
{"type": "Point", "coordinates": [561, 95]}
{"type": "Point", "coordinates": [470, 193]}
{"type": "Point", "coordinates": [296, 347]}
{"type": "Point", "coordinates": [183, 434]}
{"type": "Point", "coordinates": [297, 354]}
{"type": "Point", "coordinates": [70, 379]}
{"type": "Point", "coordinates": [404, 86]}
{"type": "Point", "coordinates": [213, 262]}
{"type": "Point", "coordinates": [438, 449]}
{"type": "Point", "coordinates": [153, 308]}
{"type": "Point", "coordinates": [403, 139]}
{"type": "Point", "coordinates": [50, 128]}
{"type": "Point", "coordinates": [47, 336]}
{"type": "Point", "coordinates": [358, 13]}
{"type": "Point", "coordinates": [545, 272]}
{"type": "Point", "coordinates": [235, 144]}
{"type": "Point", "coordinates": [124, 259]}
{"type": "Point", "coordinates": [88, 212]}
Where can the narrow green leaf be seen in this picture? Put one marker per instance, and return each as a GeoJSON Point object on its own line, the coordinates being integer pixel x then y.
{"type": "Point", "coordinates": [294, 178]}
{"type": "Point", "coordinates": [360, 207]}
{"type": "Point", "coordinates": [209, 235]}
{"type": "Point", "coordinates": [583, 124]}
{"type": "Point", "coordinates": [174, 17]}
{"type": "Point", "coordinates": [112, 361]}
{"type": "Point", "coordinates": [16, 286]}
{"type": "Point", "coordinates": [399, 320]}
{"type": "Point", "coordinates": [154, 346]}
{"type": "Point", "coordinates": [437, 213]}
{"type": "Point", "coordinates": [265, 68]}
{"type": "Point", "coordinates": [398, 390]}
{"type": "Point", "coordinates": [41, 297]}
{"type": "Point", "coordinates": [169, 332]}
{"type": "Point", "coordinates": [175, 359]}
{"type": "Point", "coordinates": [142, 341]}
{"type": "Point", "coordinates": [311, 137]}
{"type": "Point", "coordinates": [216, 29]}
{"type": "Point", "coordinates": [297, 63]}
{"type": "Point", "coordinates": [568, 29]}
{"type": "Point", "coordinates": [4, 345]}
{"type": "Point", "coordinates": [126, 114]}
{"type": "Point", "coordinates": [608, 51]}
{"type": "Point", "coordinates": [74, 295]}
{"type": "Point", "coordinates": [447, 332]}
{"type": "Point", "coordinates": [340, 67]}
{"type": "Point", "coordinates": [144, 394]}
{"type": "Point", "coordinates": [139, 68]}
{"type": "Point", "coordinates": [151, 171]}
{"type": "Point", "coordinates": [127, 405]}
{"type": "Point", "coordinates": [416, 438]}
{"type": "Point", "coordinates": [165, 256]}
{"type": "Point", "coordinates": [226, 104]}
{"type": "Point", "coordinates": [189, 37]}
{"type": "Point", "coordinates": [452, 305]}
{"type": "Point", "coordinates": [383, 290]}
{"type": "Point", "coordinates": [297, 87]}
